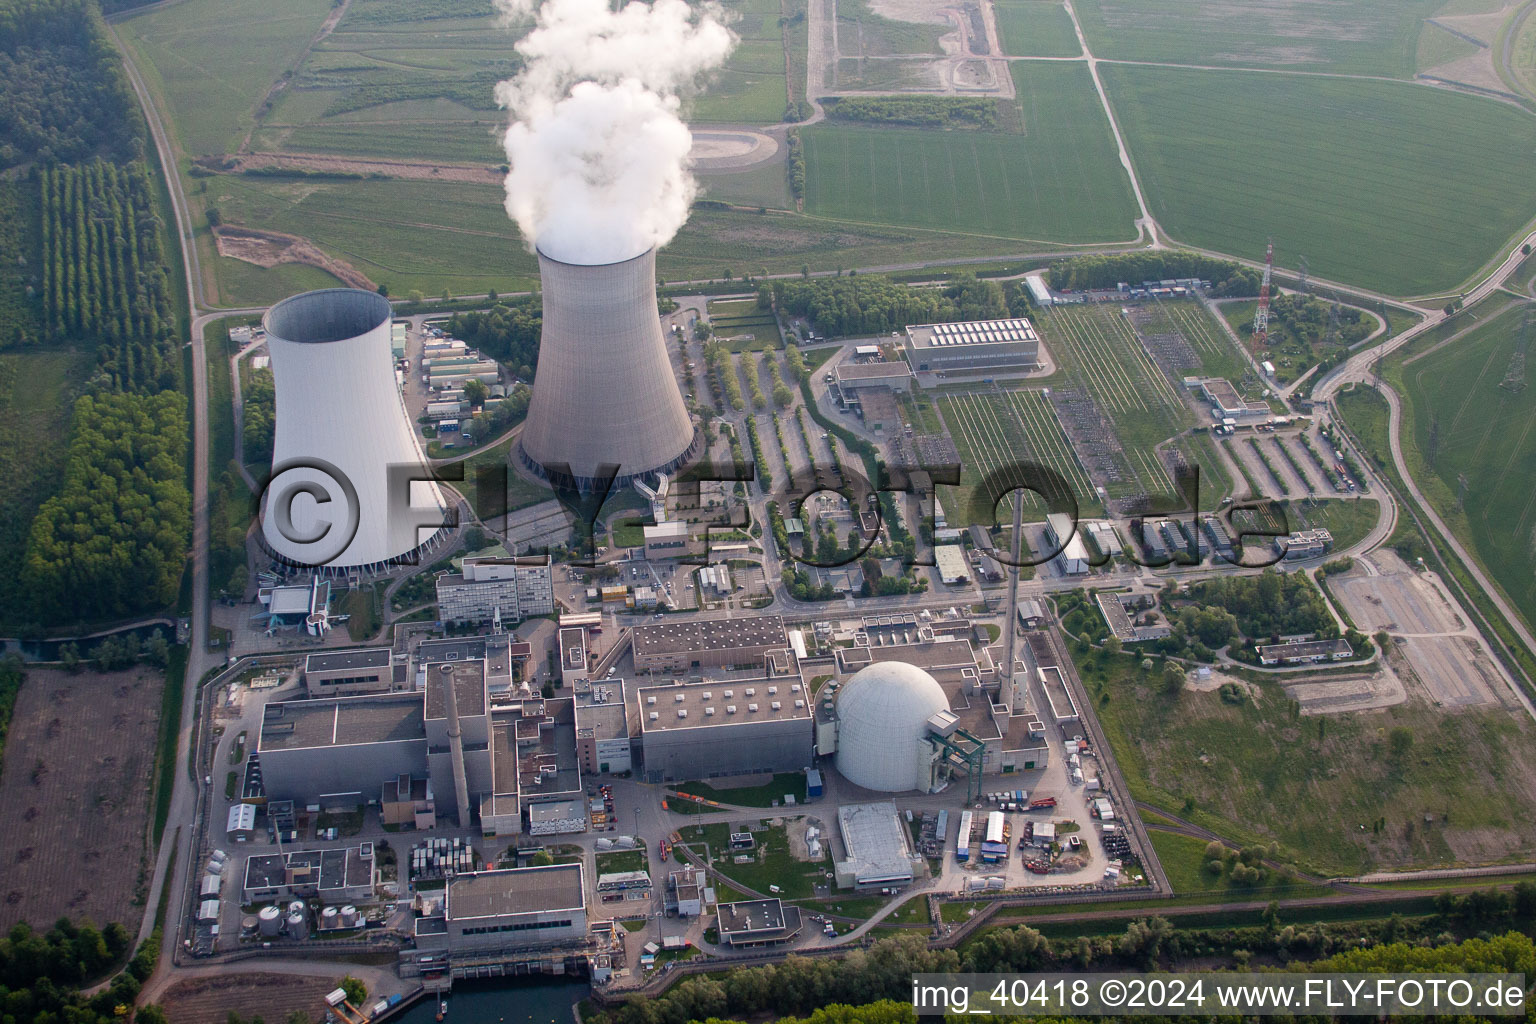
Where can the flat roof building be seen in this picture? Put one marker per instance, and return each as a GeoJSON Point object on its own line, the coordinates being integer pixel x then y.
{"type": "Point", "coordinates": [1305, 544]}
{"type": "Point", "coordinates": [602, 729]}
{"type": "Point", "coordinates": [718, 643]}
{"type": "Point", "coordinates": [1299, 652]}
{"type": "Point", "coordinates": [854, 376]}
{"type": "Point", "coordinates": [1073, 559]}
{"type": "Point", "coordinates": [515, 907]}
{"type": "Point", "coordinates": [950, 561]}
{"type": "Point", "coordinates": [757, 922]}
{"type": "Point", "coordinates": [347, 673]}
{"type": "Point", "coordinates": [512, 589]}
{"type": "Point", "coordinates": [666, 540]}
{"type": "Point", "coordinates": [704, 730]}
{"type": "Point", "coordinates": [976, 345]}
{"type": "Point", "coordinates": [879, 848]}
{"type": "Point", "coordinates": [340, 749]}
{"type": "Point", "coordinates": [334, 876]}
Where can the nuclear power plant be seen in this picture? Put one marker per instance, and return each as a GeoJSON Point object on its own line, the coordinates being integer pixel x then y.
{"type": "Point", "coordinates": [341, 496]}
{"type": "Point", "coordinates": [604, 398]}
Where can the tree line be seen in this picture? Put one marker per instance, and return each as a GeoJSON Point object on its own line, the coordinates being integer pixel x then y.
{"type": "Point", "coordinates": [104, 271]}
{"type": "Point", "coordinates": [507, 332]}
{"type": "Point", "coordinates": [66, 96]}
{"type": "Point", "coordinates": [112, 542]}
{"type": "Point", "coordinates": [41, 974]}
{"type": "Point", "coordinates": [1084, 273]}
{"type": "Point", "coordinates": [873, 303]}
{"type": "Point", "coordinates": [968, 112]}
{"type": "Point", "coordinates": [258, 415]}
{"type": "Point", "coordinates": [883, 971]}
{"type": "Point", "coordinates": [1266, 605]}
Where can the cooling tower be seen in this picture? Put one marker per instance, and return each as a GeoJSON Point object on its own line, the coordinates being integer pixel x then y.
{"type": "Point", "coordinates": [604, 393]}
{"type": "Point", "coordinates": [344, 450]}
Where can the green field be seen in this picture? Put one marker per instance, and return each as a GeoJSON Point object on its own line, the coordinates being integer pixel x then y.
{"type": "Point", "coordinates": [1035, 28]}
{"type": "Point", "coordinates": [750, 88]}
{"type": "Point", "coordinates": [212, 62]}
{"type": "Point", "coordinates": [1060, 180]}
{"type": "Point", "coordinates": [1347, 519]}
{"type": "Point", "coordinates": [1336, 170]}
{"type": "Point", "coordinates": [1460, 422]}
{"type": "Point", "coordinates": [1356, 36]}
{"type": "Point", "coordinates": [1256, 772]}
{"type": "Point", "coordinates": [1437, 46]}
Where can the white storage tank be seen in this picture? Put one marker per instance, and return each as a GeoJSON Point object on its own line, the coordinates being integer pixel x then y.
{"type": "Point", "coordinates": [248, 925]}
{"type": "Point", "coordinates": [350, 918]}
{"type": "Point", "coordinates": [330, 917]}
{"type": "Point", "coordinates": [270, 921]}
{"type": "Point", "coordinates": [297, 907]}
{"type": "Point", "coordinates": [298, 926]}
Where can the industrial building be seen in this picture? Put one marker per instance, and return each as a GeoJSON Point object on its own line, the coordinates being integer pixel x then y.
{"type": "Point", "coordinates": [1300, 652]}
{"type": "Point", "coordinates": [489, 590]}
{"type": "Point", "coordinates": [1227, 403]}
{"type": "Point", "coordinates": [1305, 544]}
{"type": "Point", "coordinates": [358, 455]}
{"type": "Point", "coordinates": [973, 346]}
{"type": "Point", "coordinates": [348, 673]}
{"type": "Point", "coordinates": [667, 540]}
{"type": "Point", "coordinates": [335, 751]}
{"type": "Point", "coordinates": [605, 399]}
{"type": "Point", "coordinates": [949, 559]}
{"type": "Point", "coordinates": [334, 876]}
{"type": "Point", "coordinates": [853, 376]}
{"type": "Point", "coordinates": [878, 846]}
{"type": "Point", "coordinates": [700, 643]}
{"type": "Point", "coordinates": [1073, 558]}
{"type": "Point", "coordinates": [704, 730]}
{"type": "Point", "coordinates": [885, 715]}
{"type": "Point", "coordinates": [766, 922]}
{"type": "Point", "coordinates": [487, 911]}
{"type": "Point", "coordinates": [602, 728]}
{"type": "Point", "coordinates": [302, 608]}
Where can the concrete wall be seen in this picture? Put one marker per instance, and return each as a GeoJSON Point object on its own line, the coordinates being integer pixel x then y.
{"type": "Point", "coordinates": [681, 754]}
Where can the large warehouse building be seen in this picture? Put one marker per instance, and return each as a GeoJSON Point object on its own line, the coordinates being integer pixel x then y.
{"type": "Point", "coordinates": [703, 730]}
{"type": "Point", "coordinates": [707, 643]}
{"type": "Point", "coordinates": [973, 346]}
{"type": "Point", "coordinates": [488, 911]}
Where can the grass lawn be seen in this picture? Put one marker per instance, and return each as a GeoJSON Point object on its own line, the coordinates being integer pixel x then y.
{"type": "Point", "coordinates": [1035, 28]}
{"type": "Point", "coordinates": [1459, 422]}
{"type": "Point", "coordinates": [621, 860]}
{"type": "Point", "coordinates": [1257, 772]}
{"type": "Point", "coordinates": [774, 865]}
{"type": "Point", "coordinates": [1183, 859]}
{"type": "Point", "coordinates": [751, 796]}
{"type": "Point", "coordinates": [1347, 172]}
{"type": "Point", "coordinates": [1358, 36]}
{"type": "Point", "coordinates": [750, 88]}
{"type": "Point", "coordinates": [1059, 180]}
{"type": "Point", "coordinates": [362, 604]}
{"type": "Point", "coordinates": [1348, 519]}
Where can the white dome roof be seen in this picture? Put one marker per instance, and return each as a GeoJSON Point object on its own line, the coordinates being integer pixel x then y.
{"type": "Point", "coordinates": [882, 722]}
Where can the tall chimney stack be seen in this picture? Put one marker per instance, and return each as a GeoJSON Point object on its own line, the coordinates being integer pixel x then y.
{"type": "Point", "coordinates": [456, 746]}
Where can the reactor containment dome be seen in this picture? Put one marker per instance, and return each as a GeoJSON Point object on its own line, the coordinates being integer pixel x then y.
{"type": "Point", "coordinates": [882, 727]}
{"type": "Point", "coordinates": [605, 399]}
{"type": "Point", "coordinates": [350, 489]}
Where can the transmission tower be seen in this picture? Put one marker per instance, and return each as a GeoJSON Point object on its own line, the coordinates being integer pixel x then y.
{"type": "Point", "coordinates": [1261, 315]}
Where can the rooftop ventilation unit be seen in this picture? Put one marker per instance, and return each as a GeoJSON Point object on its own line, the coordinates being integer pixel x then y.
{"type": "Point", "coordinates": [799, 703]}
{"type": "Point", "coordinates": [772, 690]}
{"type": "Point", "coordinates": [730, 709]}
{"type": "Point", "coordinates": [729, 693]}
{"type": "Point", "coordinates": [709, 712]}
{"type": "Point", "coordinates": [751, 707]}
{"type": "Point", "coordinates": [682, 712]}
{"type": "Point", "coordinates": [655, 715]}
{"type": "Point", "coordinates": [775, 705]}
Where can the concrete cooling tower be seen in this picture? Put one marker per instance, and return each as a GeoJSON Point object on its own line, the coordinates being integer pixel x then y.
{"type": "Point", "coordinates": [344, 450]}
{"type": "Point", "coordinates": [604, 393]}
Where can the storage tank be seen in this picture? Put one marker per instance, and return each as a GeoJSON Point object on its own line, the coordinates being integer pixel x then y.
{"type": "Point", "coordinates": [344, 448]}
{"type": "Point", "coordinates": [330, 917]}
{"type": "Point", "coordinates": [298, 925]}
{"type": "Point", "coordinates": [270, 922]}
{"type": "Point", "coordinates": [350, 917]}
{"type": "Point", "coordinates": [248, 925]}
{"type": "Point", "coordinates": [297, 907]}
{"type": "Point", "coordinates": [604, 394]}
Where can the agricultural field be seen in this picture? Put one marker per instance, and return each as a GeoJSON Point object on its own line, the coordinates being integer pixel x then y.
{"type": "Point", "coordinates": [1459, 422]}
{"type": "Point", "coordinates": [1035, 28]}
{"type": "Point", "coordinates": [1523, 55]}
{"type": "Point", "coordinates": [863, 33]}
{"type": "Point", "coordinates": [1059, 180]}
{"type": "Point", "coordinates": [764, 185]}
{"type": "Point", "coordinates": [207, 1000]}
{"type": "Point", "coordinates": [1258, 771]}
{"type": "Point", "coordinates": [1346, 167]}
{"type": "Point", "coordinates": [1362, 37]}
{"type": "Point", "coordinates": [750, 88]}
{"type": "Point", "coordinates": [75, 795]}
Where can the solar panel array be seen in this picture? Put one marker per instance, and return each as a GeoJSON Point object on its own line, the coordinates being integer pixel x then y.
{"type": "Point", "coordinates": [981, 332]}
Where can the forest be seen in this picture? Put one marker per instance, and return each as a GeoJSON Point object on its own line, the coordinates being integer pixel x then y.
{"type": "Point", "coordinates": [104, 271]}
{"type": "Point", "coordinates": [66, 96]}
{"type": "Point", "coordinates": [871, 303]}
{"type": "Point", "coordinates": [916, 111]}
{"type": "Point", "coordinates": [112, 542]}
{"type": "Point", "coordinates": [507, 332]}
{"type": "Point", "coordinates": [1080, 273]}
{"type": "Point", "coordinates": [1269, 604]}
{"type": "Point", "coordinates": [258, 415]}
{"type": "Point", "coordinates": [40, 973]}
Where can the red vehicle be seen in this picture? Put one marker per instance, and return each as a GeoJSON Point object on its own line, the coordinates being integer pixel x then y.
{"type": "Point", "coordinates": [1043, 803]}
{"type": "Point", "coordinates": [665, 849]}
{"type": "Point", "coordinates": [1037, 867]}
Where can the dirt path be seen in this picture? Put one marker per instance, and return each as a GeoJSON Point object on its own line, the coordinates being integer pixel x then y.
{"type": "Point", "coordinates": [268, 101]}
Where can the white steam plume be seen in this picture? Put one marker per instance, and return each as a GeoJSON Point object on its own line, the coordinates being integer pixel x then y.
{"type": "Point", "coordinates": [597, 149]}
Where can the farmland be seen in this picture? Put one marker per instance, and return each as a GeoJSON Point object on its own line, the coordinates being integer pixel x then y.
{"type": "Point", "coordinates": [1059, 180]}
{"type": "Point", "coordinates": [74, 794]}
{"type": "Point", "coordinates": [1355, 36]}
{"type": "Point", "coordinates": [1256, 771]}
{"type": "Point", "coordinates": [1323, 188]}
{"type": "Point", "coordinates": [750, 88]}
{"type": "Point", "coordinates": [1459, 422]}
{"type": "Point", "coordinates": [1035, 28]}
